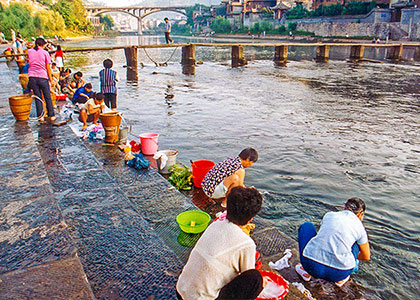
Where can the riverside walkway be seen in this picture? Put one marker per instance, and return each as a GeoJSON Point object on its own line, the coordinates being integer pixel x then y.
{"type": "Point", "coordinates": [76, 223]}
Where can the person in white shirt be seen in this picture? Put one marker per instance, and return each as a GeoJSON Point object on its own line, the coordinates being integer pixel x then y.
{"type": "Point", "coordinates": [90, 111]}
{"type": "Point", "coordinates": [334, 251]}
{"type": "Point", "coordinates": [167, 31]}
{"type": "Point", "coordinates": [222, 263]}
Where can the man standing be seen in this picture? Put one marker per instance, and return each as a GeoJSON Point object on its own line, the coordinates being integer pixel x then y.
{"type": "Point", "coordinates": [167, 31]}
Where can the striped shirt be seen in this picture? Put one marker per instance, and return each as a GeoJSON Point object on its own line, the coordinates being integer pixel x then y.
{"type": "Point", "coordinates": [108, 80]}
{"type": "Point", "coordinates": [219, 172]}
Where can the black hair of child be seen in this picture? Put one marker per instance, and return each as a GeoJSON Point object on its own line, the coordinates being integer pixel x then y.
{"type": "Point", "coordinates": [80, 74]}
{"type": "Point", "coordinates": [99, 96]}
{"type": "Point", "coordinates": [243, 204]}
{"type": "Point", "coordinates": [88, 86]}
{"type": "Point", "coordinates": [108, 63]}
{"type": "Point", "coordinates": [250, 153]}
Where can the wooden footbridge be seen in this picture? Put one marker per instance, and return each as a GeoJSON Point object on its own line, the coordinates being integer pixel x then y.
{"type": "Point", "coordinates": [188, 61]}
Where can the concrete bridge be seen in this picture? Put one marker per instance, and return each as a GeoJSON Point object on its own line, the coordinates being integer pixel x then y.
{"type": "Point", "coordinates": [138, 12]}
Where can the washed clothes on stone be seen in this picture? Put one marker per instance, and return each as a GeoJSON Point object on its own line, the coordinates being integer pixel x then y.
{"type": "Point", "coordinates": [219, 172]}
{"type": "Point", "coordinates": [332, 246]}
{"type": "Point", "coordinates": [221, 254]}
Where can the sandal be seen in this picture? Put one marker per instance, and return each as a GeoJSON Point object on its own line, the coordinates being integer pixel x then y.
{"type": "Point", "coordinates": [342, 282]}
{"type": "Point", "coordinates": [302, 273]}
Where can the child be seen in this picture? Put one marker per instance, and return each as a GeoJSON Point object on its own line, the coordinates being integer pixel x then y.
{"type": "Point", "coordinates": [222, 263]}
{"type": "Point", "coordinates": [228, 174]}
{"type": "Point", "coordinates": [109, 80]}
{"type": "Point", "coordinates": [90, 111]}
{"type": "Point", "coordinates": [82, 94]}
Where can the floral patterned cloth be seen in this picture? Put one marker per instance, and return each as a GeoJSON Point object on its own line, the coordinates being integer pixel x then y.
{"type": "Point", "coordinates": [219, 172]}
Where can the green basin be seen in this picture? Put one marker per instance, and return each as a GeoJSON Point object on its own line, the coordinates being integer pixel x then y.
{"type": "Point", "coordinates": [186, 218]}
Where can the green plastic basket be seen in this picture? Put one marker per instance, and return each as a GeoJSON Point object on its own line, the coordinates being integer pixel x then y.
{"type": "Point", "coordinates": [197, 218]}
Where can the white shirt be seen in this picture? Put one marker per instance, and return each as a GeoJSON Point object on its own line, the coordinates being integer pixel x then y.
{"type": "Point", "coordinates": [167, 27]}
{"type": "Point", "coordinates": [91, 101]}
{"type": "Point", "coordinates": [332, 245]}
{"type": "Point", "coordinates": [222, 253]}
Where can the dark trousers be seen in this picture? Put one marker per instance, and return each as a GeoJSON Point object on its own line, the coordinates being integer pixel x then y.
{"type": "Point", "coordinates": [246, 286]}
{"type": "Point", "coordinates": [110, 100]}
{"type": "Point", "coordinates": [306, 232]}
{"type": "Point", "coordinates": [81, 100]}
{"type": "Point", "coordinates": [41, 87]}
{"type": "Point", "coordinates": [168, 38]}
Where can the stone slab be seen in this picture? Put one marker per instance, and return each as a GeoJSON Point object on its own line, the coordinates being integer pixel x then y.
{"type": "Point", "coordinates": [62, 279]}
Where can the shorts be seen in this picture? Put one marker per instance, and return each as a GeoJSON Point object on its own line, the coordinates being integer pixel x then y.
{"type": "Point", "coordinates": [220, 191]}
{"type": "Point", "coordinates": [89, 117]}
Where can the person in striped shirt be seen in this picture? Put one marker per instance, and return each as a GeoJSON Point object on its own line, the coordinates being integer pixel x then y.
{"type": "Point", "coordinates": [109, 78]}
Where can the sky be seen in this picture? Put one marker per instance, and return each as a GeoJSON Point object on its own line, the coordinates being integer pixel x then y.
{"type": "Point", "coordinates": [152, 2]}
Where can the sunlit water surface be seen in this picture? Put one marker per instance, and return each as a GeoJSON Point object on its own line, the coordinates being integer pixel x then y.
{"type": "Point", "coordinates": [324, 133]}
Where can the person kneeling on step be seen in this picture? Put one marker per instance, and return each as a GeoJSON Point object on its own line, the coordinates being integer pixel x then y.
{"type": "Point", "coordinates": [228, 174]}
{"type": "Point", "coordinates": [90, 111]}
{"type": "Point", "coordinates": [222, 263]}
{"type": "Point", "coordinates": [333, 253]}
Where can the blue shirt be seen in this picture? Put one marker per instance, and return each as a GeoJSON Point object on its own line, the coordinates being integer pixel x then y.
{"type": "Point", "coordinates": [332, 244]}
{"type": "Point", "coordinates": [81, 90]}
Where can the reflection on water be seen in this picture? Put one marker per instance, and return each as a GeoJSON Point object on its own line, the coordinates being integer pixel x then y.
{"type": "Point", "coordinates": [324, 132]}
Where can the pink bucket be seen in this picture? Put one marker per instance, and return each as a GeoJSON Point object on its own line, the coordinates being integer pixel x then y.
{"type": "Point", "coordinates": [149, 143]}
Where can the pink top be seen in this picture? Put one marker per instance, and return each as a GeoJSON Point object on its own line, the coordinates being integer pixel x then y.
{"type": "Point", "coordinates": [38, 61]}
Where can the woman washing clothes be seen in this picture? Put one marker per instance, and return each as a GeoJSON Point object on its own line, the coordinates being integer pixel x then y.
{"type": "Point", "coordinates": [334, 251]}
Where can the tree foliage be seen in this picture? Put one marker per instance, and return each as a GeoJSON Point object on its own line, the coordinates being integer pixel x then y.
{"type": "Point", "coordinates": [48, 22]}
{"type": "Point", "coordinates": [73, 13]}
{"type": "Point", "coordinates": [18, 17]}
{"type": "Point", "coordinates": [221, 25]}
{"type": "Point", "coordinates": [107, 21]}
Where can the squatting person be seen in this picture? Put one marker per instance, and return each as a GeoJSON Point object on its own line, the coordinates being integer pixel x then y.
{"type": "Point", "coordinates": [228, 174]}
{"type": "Point", "coordinates": [222, 263]}
{"type": "Point", "coordinates": [334, 251]}
{"type": "Point", "coordinates": [91, 110]}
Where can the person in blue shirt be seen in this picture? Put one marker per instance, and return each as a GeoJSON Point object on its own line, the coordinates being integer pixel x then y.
{"type": "Point", "coordinates": [82, 94]}
{"type": "Point", "coordinates": [333, 253]}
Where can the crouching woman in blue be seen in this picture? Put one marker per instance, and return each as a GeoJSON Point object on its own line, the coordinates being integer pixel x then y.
{"type": "Point", "coordinates": [332, 253]}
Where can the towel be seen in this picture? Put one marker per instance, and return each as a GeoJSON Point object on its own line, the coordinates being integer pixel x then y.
{"type": "Point", "coordinates": [163, 158]}
{"type": "Point", "coordinates": [282, 262]}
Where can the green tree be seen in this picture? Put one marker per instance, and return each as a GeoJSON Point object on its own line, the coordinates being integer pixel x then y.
{"type": "Point", "coordinates": [297, 12]}
{"type": "Point", "coordinates": [73, 13]}
{"type": "Point", "coordinates": [107, 21]}
{"type": "Point", "coordinates": [18, 17]}
{"type": "Point", "coordinates": [190, 12]}
{"type": "Point", "coordinates": [292, 26]}
{"type": "Point", "coordinates": [221, 25]}
{"type": "Point", "coordinates": [48, 22]}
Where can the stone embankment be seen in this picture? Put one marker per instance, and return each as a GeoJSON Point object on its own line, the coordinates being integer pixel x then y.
{"type": "Point", "coordinates": [77, 223]}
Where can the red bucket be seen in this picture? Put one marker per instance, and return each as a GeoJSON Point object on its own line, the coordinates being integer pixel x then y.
{"type": "Point", "coordinates": [276, 278]}
{"type": "Point", "coordinates": [199, 170]}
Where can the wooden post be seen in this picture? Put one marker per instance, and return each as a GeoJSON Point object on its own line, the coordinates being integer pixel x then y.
{"type": "Point", "coordinates": [188, 60]}
{"type": "Point", "coordinates": [238, 59]}
{"type": "Point", "coordinates": [416, 56]}
{"type": "Point", "coordinates": [322, 53]}
{"type": "Point", "coordinates": [356, 52]}
{"type": "Point", "coordinates": [280, 55]}
{"type": "Point", "coordinates": [131, 58]}
{"type": "Point", "coordinates": [395, 52]}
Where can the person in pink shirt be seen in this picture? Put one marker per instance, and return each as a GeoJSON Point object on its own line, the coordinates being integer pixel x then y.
{"type": "Point", "coordinates": [40, 77]}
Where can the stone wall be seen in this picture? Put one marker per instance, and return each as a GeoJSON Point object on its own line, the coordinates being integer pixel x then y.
{"type": "Point", "coordinates": [379, 30]}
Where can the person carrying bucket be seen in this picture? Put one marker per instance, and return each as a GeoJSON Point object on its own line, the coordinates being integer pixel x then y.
{"type": "Point", "coordinates": [222, 263]}
{"type": "Point", "coordinates": [228, 174]}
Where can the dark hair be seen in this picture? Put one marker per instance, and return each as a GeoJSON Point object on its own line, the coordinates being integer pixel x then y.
{"type": "Point", "coordinates": [68, 70]}
{"type": "Point", "coordinates": [53, 64]}
{"type": "Point", "coordinates": [166, 19]}
{"type": "Point", "coordinates": [355, 205]}
{"type": "Point", "coordinates": [58, 48]}
{"type": "Point", "coordinates": [99, 96]}
{"type": "Point", "coordinates": [250, 153]}
{"type": "Point", "coordinates": [88, 86]}
{"type": "Point", "coordinates": [108, 63]}
{"type": "Point", "coordinates": [80, 74]}
{"type": "Point", "coordinates": [39, 42]}
{"type": "Point", "coordinates": [243, 204]}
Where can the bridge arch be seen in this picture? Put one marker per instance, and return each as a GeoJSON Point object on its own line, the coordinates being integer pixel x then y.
{"type": "Point", "coordinates": [156, 10]}
{"type": "Point", "coordinates": [95, 13]}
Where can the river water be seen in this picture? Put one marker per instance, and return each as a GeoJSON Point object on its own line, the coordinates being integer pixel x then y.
{"type": "Point", "coordinates": [324, 132]}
